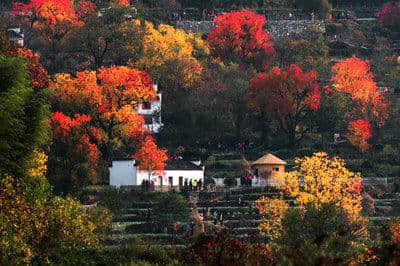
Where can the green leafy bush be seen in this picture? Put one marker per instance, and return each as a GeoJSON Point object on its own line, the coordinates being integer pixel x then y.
{"type": "Point", "coordinates": [322, 234]}
{"type": "Point", "coordinates": [170, 208]}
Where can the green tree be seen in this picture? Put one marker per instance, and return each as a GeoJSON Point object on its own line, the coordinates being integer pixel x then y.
{"type": "Point", "coordinates": [323, 234]}
{"type": "Point", "coordinates": [23, 113]}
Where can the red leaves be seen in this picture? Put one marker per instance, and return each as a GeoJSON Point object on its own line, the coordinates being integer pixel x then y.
{"type": "Point", "coordinates": [123, 83]}
{"type": "Point", "coordinates": [84, 9]}
{"type": "Point", "coordinates": [124, 3]}
{"type": "Point", "coordinates": [77, 134]}
{"type": "Point", "coordinates": [285, 91]}
{"type": "Point", "coordinates": [389, 14]}
{"type": "Point", "coordinates": [359, 132]}
{"type": "Point", "coordinates": [63, 125]}
{"type": "Point", "coordinates": [48, 11]}
{"type": "Point", "coordinates": [240, 34]}
{"type": "Point", "coordinates": [353, 77]}
{"type": "Point", "coordinates": [288, 95]}
{"type": "Point", "coordinates": [109, 96]}
{"type": "Point", "coordinates": [38, 76]}
{"type": "Point", "coordinates": [150, 157]}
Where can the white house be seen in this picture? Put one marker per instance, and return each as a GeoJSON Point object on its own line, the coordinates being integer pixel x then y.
{"type": "Point", "coordinates": [151, 111]}
{"type": "Point", "coordinates": [15, 35]}
{"type": "Point", "coordinates": [126, 173]}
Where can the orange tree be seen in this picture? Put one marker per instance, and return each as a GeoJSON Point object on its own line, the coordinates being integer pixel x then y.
{"type": "Point", "coordinates": [51, 22]}
{"type": "Point", "coordinates": [105, 100]}
{"type": "Point", "coordinates": [150, 157]}
{"type": "Point", "coordinates": [368, 110]}
{"type": "Point", "coordinates": [289, 95]}
{"type": "Point", "coordinates": [239, 37]}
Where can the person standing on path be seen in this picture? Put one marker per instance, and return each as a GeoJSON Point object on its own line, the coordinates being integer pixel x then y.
{"type": "Point", "coordinates": [195, 185]}
{"type": "Point", "coordinates": [174, 232]}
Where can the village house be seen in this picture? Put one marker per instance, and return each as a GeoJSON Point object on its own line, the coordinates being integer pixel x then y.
{"type": "Point", "coordinates": [176, 172]}
{"type": "Point", "coordinates": [151, 112]}
{"type": "Point", "coordinates": [16, 36]}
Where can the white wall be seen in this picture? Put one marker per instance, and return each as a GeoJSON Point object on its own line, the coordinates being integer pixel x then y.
{"type": "Point", "coordinates": [155, 108]}
{"type": "Point", "coordinates": [123, 173]}
{"type": "Point", "coordinates": [175, 174]}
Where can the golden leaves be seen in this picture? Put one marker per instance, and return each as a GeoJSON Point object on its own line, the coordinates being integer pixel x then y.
{"type": "Point", "coordinates": [317, 179]}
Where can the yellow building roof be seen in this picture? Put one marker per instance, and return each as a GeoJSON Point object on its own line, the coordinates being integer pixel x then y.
{"type": "Point", "coordinates": [269, 159]}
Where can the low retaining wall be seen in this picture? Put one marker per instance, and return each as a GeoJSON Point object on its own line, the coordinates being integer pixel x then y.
{"type": "Point", "coordinates": [277, 28]}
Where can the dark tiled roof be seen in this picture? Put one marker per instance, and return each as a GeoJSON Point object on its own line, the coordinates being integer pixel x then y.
{"type": "Point", "coordinates": [170, 164]}
{"type": "Point", "coordinates": [181, 165]}
{"type": "Point", "coordinates": [12, 34]}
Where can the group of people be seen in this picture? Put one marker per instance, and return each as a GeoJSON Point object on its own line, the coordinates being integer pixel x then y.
{"type": "Point", "coordinates": [148, 185]}
{"type": "Point", "coordinates": [193, 185]}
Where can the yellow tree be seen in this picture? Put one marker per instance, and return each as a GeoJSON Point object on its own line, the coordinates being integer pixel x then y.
{"type": "Point", "coordinates": [162, 44]}
{"type": "Point", "coordinates": [316, 180]}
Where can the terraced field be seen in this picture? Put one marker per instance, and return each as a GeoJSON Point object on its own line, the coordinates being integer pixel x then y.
{"type": "Point", "coordinates": [238, 210]}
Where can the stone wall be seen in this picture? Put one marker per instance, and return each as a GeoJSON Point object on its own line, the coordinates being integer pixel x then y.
{"type": "Point", "coordinates": [278, 28]}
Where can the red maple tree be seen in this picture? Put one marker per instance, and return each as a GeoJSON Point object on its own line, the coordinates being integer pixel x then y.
{"type": "Point", "coordinates": [353, 77]}
{"type": "Point", "coordinates": [47, 12]}
{"type": "Point", "coordinates": [289, 95]}
{"type": "Point", "coordinates": [150, 157]}
{"type": "Point", "coordinates": [78, 141]}
{"type": "Point", "coordinates": [239, 36]}
{"type": "Point", "coordinates": [51, 23]}
{"type": "Point", "coordinates": [359, 132]}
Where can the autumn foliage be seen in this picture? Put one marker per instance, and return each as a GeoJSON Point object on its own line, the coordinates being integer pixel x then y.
{"type": "Point", "coordinates": [162, 44]}
{"type": "Point", "coordinates": [150, 157]}
{"type": "Point", "coordinates": [316, 180]}
{"type": "Point", "coordinates": [239, 36]}
{"type": "Point", "coordinates": [123, 2]}
{"type": "Point", "coordinates": [38, 76]}
{"type": "Point", "coordinates": [353, 77]}
{"type": "Point", "coordinates": [96, 118]}
{"type": "Point", "coordinates": [48, 12]}
{"type": "Point", "coordinates": [289, 95]}
{"type": "Point", "coordinates": [359, 132]}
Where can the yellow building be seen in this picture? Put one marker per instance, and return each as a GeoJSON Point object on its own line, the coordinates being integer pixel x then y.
{"type": "Point", "coordinates": [268, 166]}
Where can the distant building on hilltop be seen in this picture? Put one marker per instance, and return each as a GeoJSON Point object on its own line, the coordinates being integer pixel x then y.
{"type": "Point", "coordinates": [151, 111]}
{"type": "Point", "coordinates": [16, 36]}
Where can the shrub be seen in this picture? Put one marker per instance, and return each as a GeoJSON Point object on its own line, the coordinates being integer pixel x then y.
{"type": "Point", "coordinates": [325, 235]}
{"type": "Point", "coordinates": [223, 248]}
{"type": "Point", "coordinates": [113, 199]}
{"type": "Point", "coordinates": [101, 218]}
{"type": "Point", "coordinates": [170, 208]}
{"type": "Point", "coordinates": [69, 227]}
